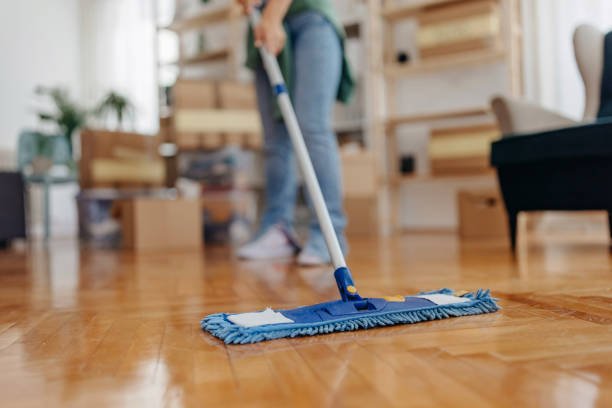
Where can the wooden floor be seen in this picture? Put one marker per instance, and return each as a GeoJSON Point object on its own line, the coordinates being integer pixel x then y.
{"type": "Point", "coordinates": [106, 328]}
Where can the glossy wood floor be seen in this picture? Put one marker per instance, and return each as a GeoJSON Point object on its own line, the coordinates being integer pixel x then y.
{"type": "Point", "coordinates": [103, 328]}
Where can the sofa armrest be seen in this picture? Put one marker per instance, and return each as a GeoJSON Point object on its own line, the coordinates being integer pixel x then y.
{"type": "Point", "coordinates": [519, 117]}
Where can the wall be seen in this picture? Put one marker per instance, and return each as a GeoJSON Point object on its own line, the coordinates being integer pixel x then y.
{"type": "Point", "coordinates": [551, 75]}
{"type": "Point", "coordinates": [40, 44]}
{"type": "Point", "coordinates": [118, 54]}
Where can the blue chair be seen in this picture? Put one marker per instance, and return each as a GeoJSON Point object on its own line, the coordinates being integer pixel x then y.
{"type": "Point", "coordinates": [37, 153]}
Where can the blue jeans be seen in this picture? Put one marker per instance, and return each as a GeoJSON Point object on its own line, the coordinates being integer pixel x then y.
{"type": "Point", "coordinates": [317, 54]}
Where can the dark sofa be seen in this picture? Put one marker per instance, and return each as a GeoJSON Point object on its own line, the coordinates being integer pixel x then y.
{"type": "Point", "coordinates": [568, 168]}
{"type": "Point", "coordinates": [12, 208]}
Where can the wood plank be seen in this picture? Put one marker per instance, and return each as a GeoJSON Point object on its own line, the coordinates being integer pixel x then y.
{"type": "Point", "coordinates": [398, 120]}
{"type": "Point", "coordinates": [430, 65]}
{"type": "Point", "coordinates": [401, 11]}
{"type": "Point", "coordinates": [206, 56]}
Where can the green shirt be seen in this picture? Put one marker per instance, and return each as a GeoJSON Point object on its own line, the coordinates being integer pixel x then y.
{"type": "Point", "coordinates": [347, 82]}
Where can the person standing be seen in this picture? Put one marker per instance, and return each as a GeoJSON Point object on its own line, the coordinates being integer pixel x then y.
{"type": "Point", "coordinates": [308, 41]}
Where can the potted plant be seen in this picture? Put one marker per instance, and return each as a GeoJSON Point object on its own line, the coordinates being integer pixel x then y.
{"type": "Point", "coordinates": [118, 105]}
{"type": "Point", "coordinates": [67, 115]}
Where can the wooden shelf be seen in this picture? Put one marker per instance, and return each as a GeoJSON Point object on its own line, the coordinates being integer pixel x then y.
{"type": "Point", "coordinates": [441, 63]}
{"type": "Point", "coordinates": [428, 178]}
{"type": "Point", "coordinates": [348, 126]}
{"type": "Point", "coordinates": [408, 10]}
{"type": "Point", "coordinates": [207, 56]}
{"type": "Point", "coordinates": [428, 117]}
{"type": "Point", "coordinates": [207, 16]}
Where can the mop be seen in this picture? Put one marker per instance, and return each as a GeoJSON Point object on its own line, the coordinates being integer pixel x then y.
{"type": "Point", "coordinates": [351, 312]}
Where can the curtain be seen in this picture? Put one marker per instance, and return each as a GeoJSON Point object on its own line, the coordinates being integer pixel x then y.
{"type": "Point", "coordinates": [551, 75]}
{"type": "Point", "coordinates": [118, 54]}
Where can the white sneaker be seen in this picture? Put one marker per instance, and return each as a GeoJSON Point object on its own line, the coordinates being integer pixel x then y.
{"type": "Point", "coordinates": [275, 243]}
{"type": "Point", "coordinates": [310, 258]}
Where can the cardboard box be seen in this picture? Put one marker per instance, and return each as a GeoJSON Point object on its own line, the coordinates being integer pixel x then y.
{"type": "Point", "coordinates": [237, 95]}
{"type": "Point", "coordinates": [194, 94]}
{"type": "Point", "coordinates": [461, 150]}
{"type": "Point", "coordinates": [161, 224]}
{"type": "Point", "coordinates": [482, 214]}
{"type": "Point", "coordinates": [459, 27]}
{"type": "Point", "coordinates": [359, 177]}
{"type": "Point", "coordinates": [362, 216]}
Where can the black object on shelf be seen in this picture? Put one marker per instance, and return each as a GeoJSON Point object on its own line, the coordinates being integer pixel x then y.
{"type": "Point", "coordinates": [402, 57]}
{"type": "Point", "coordinates": [407, 164]}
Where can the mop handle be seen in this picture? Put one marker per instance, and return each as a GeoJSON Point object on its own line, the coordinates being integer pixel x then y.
{"type": "Point", "coordinates": [297, 139]}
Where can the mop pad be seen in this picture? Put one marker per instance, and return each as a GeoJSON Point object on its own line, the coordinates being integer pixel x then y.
{"type": "Point", "coordinates": [352, 312]}
{"type": "Point", "coordinates": [339, 316]}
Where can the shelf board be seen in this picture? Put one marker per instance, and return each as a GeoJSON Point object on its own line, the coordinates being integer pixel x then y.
{"type": "Point", "coordinates": [207, 56]}
{"type": "Point", "coordinates": [395, 121]}
{"type": "Point", "coordinates": [206, 16]}
{"type": "Point", "coordinates": [348, 126]}
{"type": "Point", "coordinates": [428, 178]}
{"type": "Point", "coordinates": [408, 10]}
{"type": "Point", "coordinates": [441, 63]}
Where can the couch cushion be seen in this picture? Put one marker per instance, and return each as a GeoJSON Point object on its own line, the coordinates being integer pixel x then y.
{"type": "Point", "coordinates": [592, 140]}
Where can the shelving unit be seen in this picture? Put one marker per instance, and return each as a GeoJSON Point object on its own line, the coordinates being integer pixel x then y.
{"type": "Point", "coordinates": [436, 22]}
{"type": "Point", "coordinates": [353, 123]}
{"type": "Point", "coordinates": [227, 15]}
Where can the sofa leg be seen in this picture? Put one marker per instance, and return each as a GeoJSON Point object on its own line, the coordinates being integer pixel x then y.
{"type": "Point", "coordinates": [513, 224]}
{"type": "Point", "coordinates": [4, 244]}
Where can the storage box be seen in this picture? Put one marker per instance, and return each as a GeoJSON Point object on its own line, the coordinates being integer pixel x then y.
{"type": "Point", "coordinates": [459, 27]}
{"type": "Point", "coordinates": [461, 150]}
{"type": "Point", "coordinates": [236, 95]}
{"type": "Point", "coordinates": [159, 224]}
{"type": "Point", "coordinates": [189, 96]}
{"type": "Point", "coordinates": [482, 214]}
{"type": "Point", "coordinates": [240, 97]}
{"type": "Point", "coordinates": [194, 94]}
{"type": "Point", "coordinates": [226, 169]}
{"type": "Point", "coordinates": [362, 216]}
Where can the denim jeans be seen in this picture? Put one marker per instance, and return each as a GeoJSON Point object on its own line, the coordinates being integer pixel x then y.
{"type": "Point", "coordinates": [317, 63]}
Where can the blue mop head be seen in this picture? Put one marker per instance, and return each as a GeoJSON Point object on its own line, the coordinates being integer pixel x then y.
{"type": "Point", "coordinates": [346, 315]}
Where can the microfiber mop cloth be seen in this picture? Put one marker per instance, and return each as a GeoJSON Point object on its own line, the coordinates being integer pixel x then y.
{"type": "Point", "coordinates": [352, 312]}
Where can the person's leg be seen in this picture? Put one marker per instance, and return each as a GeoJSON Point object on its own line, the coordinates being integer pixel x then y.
{"type": "Point", "coordinates": [274, 238]}
{"type": "Point", "coordinates": [318, 63]}
{"type": "Point", "coordinates": [281, 184]}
